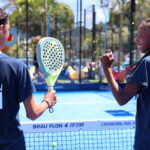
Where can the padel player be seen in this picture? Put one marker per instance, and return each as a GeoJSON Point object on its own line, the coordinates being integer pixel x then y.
{"type": "Point", "coordinates": [137, 83]}
{"type": "Point", "coordinates": [16, 87]}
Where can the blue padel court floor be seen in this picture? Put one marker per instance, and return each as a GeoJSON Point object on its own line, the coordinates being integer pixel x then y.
{"type": "Point", "coordinates": [83, 105]}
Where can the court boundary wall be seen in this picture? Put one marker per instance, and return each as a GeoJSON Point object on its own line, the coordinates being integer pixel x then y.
{"type": "Point", "coordinates": [76, 86]}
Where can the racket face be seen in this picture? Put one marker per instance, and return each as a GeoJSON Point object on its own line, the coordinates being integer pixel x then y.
{"type": "Point", "coordinates": [50, 57]}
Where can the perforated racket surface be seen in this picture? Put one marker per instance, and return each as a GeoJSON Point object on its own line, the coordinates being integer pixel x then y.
{"type": "Point", "coordinates": [50, 57]}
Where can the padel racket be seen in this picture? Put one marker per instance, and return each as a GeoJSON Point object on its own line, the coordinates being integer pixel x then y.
{"type": "Point", "coordinates": [50, 57]}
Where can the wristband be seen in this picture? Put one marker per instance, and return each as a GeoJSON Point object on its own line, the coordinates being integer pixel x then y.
{"type": "Point", "coordinates": [51, 110]}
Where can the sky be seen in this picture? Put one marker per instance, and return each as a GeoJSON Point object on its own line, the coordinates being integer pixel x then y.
{"type": "Point", "coordinates": [86, 4]}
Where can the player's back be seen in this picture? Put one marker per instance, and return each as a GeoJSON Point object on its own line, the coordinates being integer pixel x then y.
{"type": "Point", "coordinates": [9, 104]}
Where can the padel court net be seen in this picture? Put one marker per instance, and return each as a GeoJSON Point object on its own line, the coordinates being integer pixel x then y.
{"type": "Point", "coordinates": [80, 135]}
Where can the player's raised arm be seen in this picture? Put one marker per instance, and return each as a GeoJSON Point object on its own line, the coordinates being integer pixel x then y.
{"type": "Point", "coordinates": [121, 95]}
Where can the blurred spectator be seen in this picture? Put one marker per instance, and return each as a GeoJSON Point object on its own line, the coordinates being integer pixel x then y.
{"type": "Point", "coordinates": [35, 63]}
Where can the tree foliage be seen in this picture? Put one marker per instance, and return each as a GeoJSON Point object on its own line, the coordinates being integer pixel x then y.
{"type": "Point", "coordinates": [36, 15]}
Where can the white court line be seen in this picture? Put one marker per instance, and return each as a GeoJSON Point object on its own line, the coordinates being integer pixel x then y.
{"type": "Point", "coordinates": [82, 103]}
{"type": "Point", "coordinates": [76, 103]}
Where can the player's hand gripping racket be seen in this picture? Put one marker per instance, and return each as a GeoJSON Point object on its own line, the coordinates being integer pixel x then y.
{"type": "Point", "coordinates": [50, 57]}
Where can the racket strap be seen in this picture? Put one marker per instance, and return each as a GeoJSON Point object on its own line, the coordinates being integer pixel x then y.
{"type": "Point", "coordinates": [51, 110]}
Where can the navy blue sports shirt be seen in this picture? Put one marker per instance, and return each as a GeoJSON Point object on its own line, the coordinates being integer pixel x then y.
{"type": "Point", "coordinates": [141, 76]}
{"type": "Point", "coordinates": [15, 86]}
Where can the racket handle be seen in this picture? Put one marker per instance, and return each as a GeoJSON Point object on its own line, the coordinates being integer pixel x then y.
{"type": "Point", "coordinates": [50, 88]}
{"type": "Point", "coordinates": [51, 110]}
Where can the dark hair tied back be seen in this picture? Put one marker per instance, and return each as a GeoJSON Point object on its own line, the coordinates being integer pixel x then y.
{"type": "Point", "coordinates": [3, 17]}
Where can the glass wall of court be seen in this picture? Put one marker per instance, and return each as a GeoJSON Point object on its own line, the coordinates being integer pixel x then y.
{"type": "Point", "coordinates": [95, 32]}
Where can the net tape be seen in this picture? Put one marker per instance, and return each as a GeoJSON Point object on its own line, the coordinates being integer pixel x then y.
{"type": "Point", "coordinates": [77, 125]}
